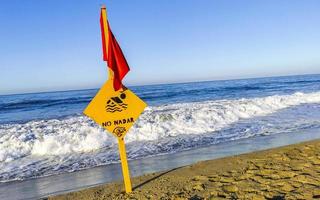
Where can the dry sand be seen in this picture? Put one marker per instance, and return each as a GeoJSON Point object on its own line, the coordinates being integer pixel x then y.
{"type": "Point", "coordinates": [291, 172]}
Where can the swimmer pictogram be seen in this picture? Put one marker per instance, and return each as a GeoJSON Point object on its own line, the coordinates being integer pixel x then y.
{"type": "Point", "coordinates": [116, 104]}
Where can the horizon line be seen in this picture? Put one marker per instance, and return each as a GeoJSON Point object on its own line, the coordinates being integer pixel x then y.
{"type": "Point", "coordinates": [154, 84]}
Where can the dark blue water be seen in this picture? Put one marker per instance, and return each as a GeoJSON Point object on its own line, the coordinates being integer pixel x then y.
{"type": "Point", "coordinates": [50, 105]}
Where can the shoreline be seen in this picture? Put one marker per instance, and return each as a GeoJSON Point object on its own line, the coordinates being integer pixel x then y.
{"type": "Point", "coordinates": [289, 172]}
{"type": "Point", "coordinates": [53, 185]}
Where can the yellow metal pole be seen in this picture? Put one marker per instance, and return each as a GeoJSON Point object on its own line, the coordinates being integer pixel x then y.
{"type": "Point", "coordinates": [124, 164]}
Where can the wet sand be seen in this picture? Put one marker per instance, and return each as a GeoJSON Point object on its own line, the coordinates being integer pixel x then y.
{"type": "Point", "coordinates": [290, 172]}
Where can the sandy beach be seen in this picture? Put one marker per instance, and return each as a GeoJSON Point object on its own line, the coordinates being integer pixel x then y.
{"type": "Point", "coordinates": [290, 172]}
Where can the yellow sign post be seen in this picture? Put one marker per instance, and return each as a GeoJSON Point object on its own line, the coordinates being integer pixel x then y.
{"type": "Point", "coordinates": [124, 165]}
{"type": "Point", "coordinates": [115, 107]}
{"type": "Point", "coordinates": [116, 111]}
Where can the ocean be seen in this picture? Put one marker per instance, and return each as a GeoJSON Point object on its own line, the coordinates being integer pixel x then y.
{"type": "Point", "coordinates": [43, 134]}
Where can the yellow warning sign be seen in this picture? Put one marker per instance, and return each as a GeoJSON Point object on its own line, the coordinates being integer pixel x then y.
{"type": "Point", "coordinates": [116, 111]}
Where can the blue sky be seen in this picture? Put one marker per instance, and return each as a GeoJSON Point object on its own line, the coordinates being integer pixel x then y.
{"type": "Point", "coordinates": [56, 45]}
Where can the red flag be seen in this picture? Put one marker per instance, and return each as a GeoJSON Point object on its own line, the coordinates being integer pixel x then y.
{"type": "Point", "coordinates": [113, 54]}
{"type": "Point", "coordinates": [116, 61]}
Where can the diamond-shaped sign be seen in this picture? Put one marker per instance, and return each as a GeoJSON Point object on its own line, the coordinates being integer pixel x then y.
{"type": "Point", "coordinates": [115, 111]}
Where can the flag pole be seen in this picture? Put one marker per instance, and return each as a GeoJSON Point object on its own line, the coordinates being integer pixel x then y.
{"type": "Point", "coordinates": [124, 165]}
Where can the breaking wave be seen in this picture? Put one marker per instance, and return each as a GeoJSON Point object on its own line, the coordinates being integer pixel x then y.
{"type": "Point", "coordinates": [45, 147]}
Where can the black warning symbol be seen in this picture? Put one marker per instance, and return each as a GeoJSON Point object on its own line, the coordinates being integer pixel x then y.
{"type": "Point", "coordinates": [119, 131]}
{"type": "Point", "coordinates": [116, 104]}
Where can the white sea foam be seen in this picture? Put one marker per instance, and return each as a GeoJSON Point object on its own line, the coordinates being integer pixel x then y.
{"type": "Point", "coordinates": [40, 147]}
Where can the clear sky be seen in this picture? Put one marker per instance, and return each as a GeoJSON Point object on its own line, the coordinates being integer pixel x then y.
{"type": "Point", "coordinates": [56, 44]}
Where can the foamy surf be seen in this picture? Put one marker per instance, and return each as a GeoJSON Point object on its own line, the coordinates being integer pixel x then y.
{"type": "Point", "coordinates": [45, 147]}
